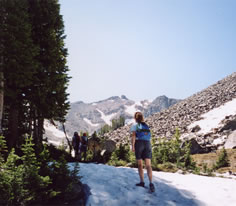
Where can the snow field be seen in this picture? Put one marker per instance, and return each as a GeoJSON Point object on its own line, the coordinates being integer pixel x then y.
{"type": "Point", "coordinates": [116, 186]}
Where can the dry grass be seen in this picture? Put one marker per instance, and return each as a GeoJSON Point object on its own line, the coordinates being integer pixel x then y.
{"type": "Point", "coordinates": [210, 159]}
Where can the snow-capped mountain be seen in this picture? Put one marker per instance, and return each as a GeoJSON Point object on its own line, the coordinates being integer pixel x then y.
{"type": "Point", "coordinates": [92, 116]}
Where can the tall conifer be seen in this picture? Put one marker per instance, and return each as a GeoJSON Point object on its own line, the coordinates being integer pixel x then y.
{"type": "Point", "coordinates": [17, 60]}
{"type": "Point", "coordinates": [49, 97]}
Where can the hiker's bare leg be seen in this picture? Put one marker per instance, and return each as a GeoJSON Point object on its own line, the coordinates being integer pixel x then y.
{"type": "Point", "coordinates": [140, 170]}
{"type": "Point", "coordinates": [79, 156]}
{"type": "Point", "coordinates": [149, 168]}
{"type": "Point", "coordinates": [85, 155]}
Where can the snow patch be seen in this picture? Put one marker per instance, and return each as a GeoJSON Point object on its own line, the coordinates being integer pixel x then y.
{"type": "Point", "coordinates": [56, 132]}
{"type": "Point", "coordinates": [132, 108]}
{"type": "Point", "coordinates": [139, 104]}
{"type": "Point", "coordinates": [129, 121]}
{"type": "Point", "coordinates": [213, 118]}
{"type": "Point", "coordinates": [58, 135]}
{"type": "Point", "coordinates": [147, 103]}
{"type": "Point", "coordinates": [90, 123]}
{"type": "Point", "coordinates": [107, 118]}
{"type": "Point", "coordinates": [219, 141]}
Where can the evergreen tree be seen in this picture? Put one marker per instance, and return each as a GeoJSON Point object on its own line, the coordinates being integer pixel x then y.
{"type": "Point", "coordinates": [48, 96]}
{"type": "Point", "coordinates": [17, 63]}
{"type": "Point", "coordinates": [223, 160]}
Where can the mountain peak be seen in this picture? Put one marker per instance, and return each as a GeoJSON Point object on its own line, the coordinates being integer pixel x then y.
{"type": "Point", "coordinates": [124, 97]}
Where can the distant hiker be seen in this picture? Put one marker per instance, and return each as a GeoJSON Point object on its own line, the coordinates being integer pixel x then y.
{"type": "Point", "coordinates": [141, 145]}
{"type": "Point", "coordinates": [76, 143]}
{"type": "Point", "coordinates": [84, 145]}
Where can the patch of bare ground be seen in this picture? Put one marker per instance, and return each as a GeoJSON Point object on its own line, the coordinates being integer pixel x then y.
{"type": "Point", "coordinates": [210, 159]}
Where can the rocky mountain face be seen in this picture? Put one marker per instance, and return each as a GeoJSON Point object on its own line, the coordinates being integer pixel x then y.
{"type": "Point", "coordinates": [92, 116]}
{"type": "Point", "coordinates": [187, 113]}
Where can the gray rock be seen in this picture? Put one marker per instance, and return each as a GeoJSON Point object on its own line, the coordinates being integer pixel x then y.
{"type": "Point", "coordinates": [109, 146]}
{"type": "Point", "coordinates": [196, 128]}
{"type": "Point", "coordinates": [231, 141]}
{"type": "Point", "coordinates": [195, 147]}
{"type": "Point", "coordinates": [229, 125]}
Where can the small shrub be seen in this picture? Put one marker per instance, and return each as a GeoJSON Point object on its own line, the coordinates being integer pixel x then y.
{"type": "Point", "coordinates": [223, 160]}
{"type": "Point", "coordinates": [170, 151]}
{"type": "Point", "coordinates": [3, 149]}
{"type": "Point", "coordinates": [122, 156]}
{"type": "Point", "coordinates": [27, 179]}
{"type": "Point", "coordinates": [21, 182]}
{"type": "Point", "coordinates": [56, 153]}
{"type": "Point", "coordinates": [63, 180]}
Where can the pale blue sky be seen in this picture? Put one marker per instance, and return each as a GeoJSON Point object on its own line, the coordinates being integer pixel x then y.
{"type": "Point", "coordinates": [147, 48]}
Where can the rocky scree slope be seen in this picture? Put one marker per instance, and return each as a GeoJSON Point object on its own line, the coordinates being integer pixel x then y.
{"type": "Point", "coordinates": [187, 111]}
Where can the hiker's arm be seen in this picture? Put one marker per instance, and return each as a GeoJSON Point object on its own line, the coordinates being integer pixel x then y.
{"type": "Point", "coordinates": [133, 140]}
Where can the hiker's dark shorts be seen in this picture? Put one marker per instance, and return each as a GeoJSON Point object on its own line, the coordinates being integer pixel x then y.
{"type": "Point", "coordinates": [143, 149]}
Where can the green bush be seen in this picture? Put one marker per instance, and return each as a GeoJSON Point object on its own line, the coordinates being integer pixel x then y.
{"type": "Point", "coordinates": [223, 160]}
{"type": "Point", "coordinates": [21, 182]}
{"type": "Point", "coordinates": [167, 155]}
{"type": "Point", "coordinates": [63, 180]}
{"type": "Point", "coordinates": [122, 156]}
{"type": "Point", "coordinates": [3, 149]}
{"type": "Point", "coordinates": [171, 151]}
{"type": "Point", "coordinates": [26, 180]}
{"type": "Point", "coordinates": [55, 153]}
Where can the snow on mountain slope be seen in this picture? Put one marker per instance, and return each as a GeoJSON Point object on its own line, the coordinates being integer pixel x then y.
{"type": "Point", "coordinates": [107, 118]}
{"type": "Point", "coordinates": [131, 109]}
{"type": "Point", "coordinates": [90, 123]}
{"type": "Point", "coordinates": [116, 186]}
{"type": "Point", "coordinates": [53, 134]}
{"type": "Point", "coordinates": [213, 118]}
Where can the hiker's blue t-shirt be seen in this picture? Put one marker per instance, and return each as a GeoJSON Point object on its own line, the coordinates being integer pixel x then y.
{"type": "Point", "coordinates": [134, 127]}
{"type": "Point", "coordinates": [140, 135]}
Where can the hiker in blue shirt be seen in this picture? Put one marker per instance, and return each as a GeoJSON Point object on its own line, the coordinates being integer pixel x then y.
{"type": "Point", "coordinates": [141, 145]}
{"type": "Point", "coordinates": [84, 145]}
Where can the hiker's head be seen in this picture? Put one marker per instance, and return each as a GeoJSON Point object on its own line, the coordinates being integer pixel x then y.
{"type": "Point", "coordinates": [138, 116]}
{"type": "Point", "coordinates": [75, 133]}
{"type": "Point", "coordinates": [84, 134]}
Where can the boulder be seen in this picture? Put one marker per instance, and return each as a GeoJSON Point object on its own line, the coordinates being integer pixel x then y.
{"type": "Point", "coordinates": [196, 128]}
{"type": "Point", "coordinates": [94, 144]}
{"type": "Point", "coordinates": [229, 125]}
{"type": "Point", "coordinates": [195, 147]}
{"type": "Point", "coordinates": [231, 141]}
{"type": "Point", "coordinates": [109, 146]}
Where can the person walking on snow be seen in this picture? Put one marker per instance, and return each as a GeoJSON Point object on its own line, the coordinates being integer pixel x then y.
{"type": "Point", "coordinates": [141, 145]}
{"type": "Point", "coordinates": [84, 141]}
{"type": "Point", "coordinates": [76, 143]}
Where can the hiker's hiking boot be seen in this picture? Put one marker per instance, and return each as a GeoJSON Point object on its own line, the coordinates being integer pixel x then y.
{"type": "Point", "coordinates": [152, 188]}
{"type": "Point", "coordinates": [141, 184]}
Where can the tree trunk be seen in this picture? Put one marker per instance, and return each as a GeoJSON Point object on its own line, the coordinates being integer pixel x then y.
{"type": "Point", "coordinates": [13, 127]}
{"type": "Point", "coordinates": [35, 127]}
{"type": "Point", "coordinates": [1, 100]}
{"type": "Point", "coordinates": [68, 141]}
{"type": "Point", "coordinates": [40, 134]}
